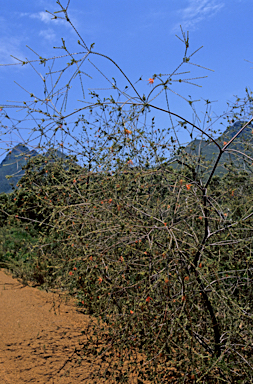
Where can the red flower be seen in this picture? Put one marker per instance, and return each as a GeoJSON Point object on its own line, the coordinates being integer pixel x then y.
{"type": "Point", "coordinates": [188, 186]}
{"type": "Point", "coordinates": [148, 299]}
{"type": "Point", "coordinates": [150, 80]}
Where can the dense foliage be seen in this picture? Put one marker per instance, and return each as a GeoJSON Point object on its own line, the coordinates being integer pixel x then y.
{"type": "Point", "coordinates": [131, 252]}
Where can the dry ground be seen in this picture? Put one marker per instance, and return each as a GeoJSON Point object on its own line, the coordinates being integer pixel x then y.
{"type": "Point", "coordinates": [38, 337]}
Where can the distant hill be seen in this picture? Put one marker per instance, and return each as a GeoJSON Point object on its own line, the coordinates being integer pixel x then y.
{"type": "Point", "coordinates": [208, 151]}
{"type": "Point", "coordinates": [12, 165]}
{"type": "Point", "coordinates": [15, 160]}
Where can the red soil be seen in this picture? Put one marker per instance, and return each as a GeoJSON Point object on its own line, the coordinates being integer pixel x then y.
{"type": "Point", "coordinates": [38, 337]}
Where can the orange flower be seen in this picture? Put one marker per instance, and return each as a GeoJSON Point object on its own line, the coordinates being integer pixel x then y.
{"type": "Point", "coordinates": [232, 193]}
{"type": "Point", "coordinates": [91, 258]}
{"type": "Point", "coordinates": [150, 80]}
{"type": "Point", "coordinates": [186, 278]}
{"type": "Point", "coordinates": [188, 186]}
{"type": "Point", "coordinates": [100, 280]}
{"type": "Point", "coordinates": [200, 217]}
{"type": "Point", "coordinates": [74, 181]}
{"type": "Point", "coordinates": [166, 281]}
{"type": "Point", "coordinates": [82, 302]}
{"type": "Point", "coordinates": [110, 200]}
{"type": "Point", "coordinates": [70, 273]}
{"type": "Point", "coordinates": [127, 131]}
{"type": "Point", "coordinates": [183, 298]}
{"type": "Point", "coordinates": [130, 162]}
{"type": "Point", "coordinates": [121, 259]}
{"type": "Point", "coordinates": [224, 142]}
{"type": "Point", "coordinates": [131, 312]}
{"type": "Point", "coordinates": [148, 299]}
{"type": "Point", "coordinates": [165, 224]}
{"type": "Point", "coordinates": [75, 268]}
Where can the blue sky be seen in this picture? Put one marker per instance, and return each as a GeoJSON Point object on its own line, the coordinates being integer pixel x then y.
{"type": "Point", "coordinates": [140, 37]}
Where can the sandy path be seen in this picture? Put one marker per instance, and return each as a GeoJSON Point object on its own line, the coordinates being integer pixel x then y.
{"type": "Point", "coordinates": [36, 341]}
